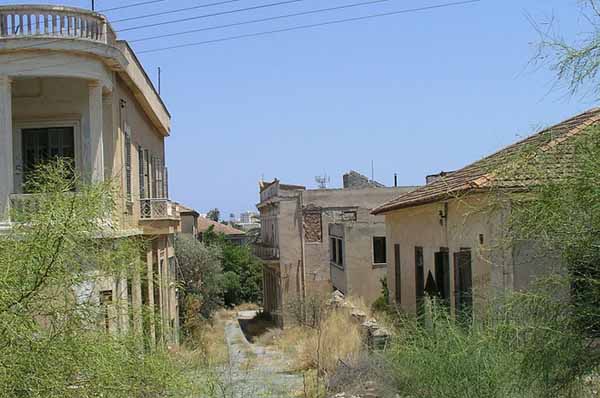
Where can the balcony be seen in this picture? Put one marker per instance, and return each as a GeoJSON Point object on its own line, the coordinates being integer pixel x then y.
{"type": "Point", "coordinates": [265, 252]}
{"type": "Point", "coordinates": [40, 21]}
{"type": "Point", "coordinates": [158, 209]}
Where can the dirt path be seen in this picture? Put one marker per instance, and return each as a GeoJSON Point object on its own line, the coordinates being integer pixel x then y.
{"type": "Point", "coordinates": [256, 371]}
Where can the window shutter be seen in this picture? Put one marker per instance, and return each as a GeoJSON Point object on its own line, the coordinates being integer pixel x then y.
{"type": "Point", "coordinates": [147, 183]}
{"type": "Point", "coordinates": [141, 160]}
{"type": "Point", "coordinates": [166, 182]}
{"type": "Point", "coordinates": [128, 162]}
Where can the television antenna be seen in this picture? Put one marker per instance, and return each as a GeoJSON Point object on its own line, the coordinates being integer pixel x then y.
{"type": "Point", "coordinates": [322, 181]}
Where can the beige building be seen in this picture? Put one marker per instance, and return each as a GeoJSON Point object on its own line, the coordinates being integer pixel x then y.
{"type": "Point", "coordinates": [70, 88]}
{"type": "Point", "coordinates": [316, 240]}
{"type": "Point", "coordinates": [231, 234]}
{"type": "Point", "coordinates": [448, 237]}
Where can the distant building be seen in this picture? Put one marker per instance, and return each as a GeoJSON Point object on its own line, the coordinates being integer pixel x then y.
{"type": "Point", "coordinates": [249, 217]}
{"type": "Point", "coordinates": [232, 234]}
{"type": "Point", "coordinates": [316, 240]}
{"type": "Point", "coordinates": [189, 220]}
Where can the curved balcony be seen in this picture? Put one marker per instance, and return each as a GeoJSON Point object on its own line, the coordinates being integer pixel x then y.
{"type": "Point", "coordinates": [40, 21]}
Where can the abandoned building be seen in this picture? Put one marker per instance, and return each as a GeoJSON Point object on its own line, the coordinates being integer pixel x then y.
{"type": "Point", "coordinates": [84, 96]}
{"type": "Point", "coordinates": [316, 240]}
{"type": "Point", "coordinates": [447, 238]}
{"type": "Point", "coordinates": [231, 234]}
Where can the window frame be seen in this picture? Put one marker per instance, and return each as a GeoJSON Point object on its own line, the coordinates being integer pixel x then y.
{"type": "Point", "coordinates": [336, 251]}
{"type": "Point", "coordinates": [373, 256]}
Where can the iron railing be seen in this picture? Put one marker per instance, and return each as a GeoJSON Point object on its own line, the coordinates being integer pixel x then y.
{"type": "Point", "coordinates": [265, 252]}
{"type": "Point", "coordinates": [157, 209]}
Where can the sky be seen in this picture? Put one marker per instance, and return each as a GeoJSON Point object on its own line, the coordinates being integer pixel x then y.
{"type": "Point", "coordinates": [414, 93]}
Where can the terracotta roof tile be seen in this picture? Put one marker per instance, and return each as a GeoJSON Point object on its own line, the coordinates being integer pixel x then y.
{"type": "Point", "coordinates": [483, 173]}
{"type": "Point", "coordinates": [204, 223]}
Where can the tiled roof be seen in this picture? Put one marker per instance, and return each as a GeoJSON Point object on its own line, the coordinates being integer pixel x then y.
{"type": "Point", "coordinates": [483, 174]}
{"type": "Point", "coordinates": [204, 223]}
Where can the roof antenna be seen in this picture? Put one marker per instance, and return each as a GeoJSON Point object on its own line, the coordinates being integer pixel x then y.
{"type": "Point", "coordinates": [159, 80]}
{"type": "Point", "coordinates": [322, 181]}
{"type": "Point", "coordinates": [372, 171]}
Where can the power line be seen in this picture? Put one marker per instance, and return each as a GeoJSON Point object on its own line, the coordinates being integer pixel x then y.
{"type": "Point", "coordinates": [297, 14]}
{"type": "Point", "coordinates": [444, 5]}
{"type": "Point", "coordinates": [209, 15]}
{"type": "Point", "coordinates": [299, 27]}
{"type": "Point", "coordinates": [141, 3]}
{"type": "Point", "coordinates": [156, 14]}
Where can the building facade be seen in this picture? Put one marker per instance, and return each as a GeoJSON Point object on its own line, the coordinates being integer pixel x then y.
{"type": "Point", "coordinates": [70, 88]}
{"type": "Point", "coordinates": [450, 238]}
{"type": "Point", "coordinates": [316, 240]}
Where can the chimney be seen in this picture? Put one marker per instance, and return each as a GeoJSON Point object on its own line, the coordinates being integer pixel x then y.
{"type": "Point", "coordinates": [395, 180]}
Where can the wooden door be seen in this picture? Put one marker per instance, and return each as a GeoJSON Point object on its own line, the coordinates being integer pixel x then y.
{"type": "Point", "coordinates": [463, 283]}
{"type": "Point", "coordinates": [442, 274]}
{"type": "Point", "coordinates": [397, 274]}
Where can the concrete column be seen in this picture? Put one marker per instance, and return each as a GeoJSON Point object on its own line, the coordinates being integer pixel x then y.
{"type": "Point", "coordinates": [96, 142]}
{"type": "Point", "coordinates": [6, 146]}
{"type": "Point", "coordinates": [151, 310]}
{"type": "Point", "coordinates": [136, 301]}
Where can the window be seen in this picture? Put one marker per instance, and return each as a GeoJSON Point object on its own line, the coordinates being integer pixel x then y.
{"type": "Point", "coordinates": [40, 145]}
{"type": "Point", "coordinates": [141, 172]}
{"type": "Point", "coordinates": [379, 250]}
{"type": "Point", "coordinates": [128, 162]}
{"type": "Point", "coordinates": [336, 251]}
{"type": "Point", "coordinates": [147, 170]}
{"type": "Point", "coordinates": [166, 182]}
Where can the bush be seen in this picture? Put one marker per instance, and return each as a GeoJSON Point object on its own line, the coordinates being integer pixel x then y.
{"type": "Point", "coordinates": [201, 271]}
{"type": "Point", "coordinates": [51, 342]}
{"type": "Point", "coordinates": [526, 345]}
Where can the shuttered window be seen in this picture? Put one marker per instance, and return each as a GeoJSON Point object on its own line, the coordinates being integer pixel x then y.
{"type": "Point", "coordinates": [141, 166]}
{"type": "Point", "coordinates": [127, 151]}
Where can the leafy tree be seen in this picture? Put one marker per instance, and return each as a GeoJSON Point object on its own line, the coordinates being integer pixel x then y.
{"type": "Point", "coordinates": [242, 272]}
{"type": "Point", "coordinates": [201, 269]}
{"type": "Point", "coordinates": [214, 214]}
{"type": "Point", "coordinates": [51, 344]}
{"type": "Point", "coordinates": [575, 62]}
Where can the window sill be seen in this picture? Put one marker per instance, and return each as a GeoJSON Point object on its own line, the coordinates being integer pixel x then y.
{"type": "Point", "coordinates": [379, 265]}
{"type": "Point", "coordinates": [340, 267]}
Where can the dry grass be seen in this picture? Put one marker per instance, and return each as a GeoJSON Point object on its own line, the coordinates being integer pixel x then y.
{"type": "Point", "coordinates": [338, 338]}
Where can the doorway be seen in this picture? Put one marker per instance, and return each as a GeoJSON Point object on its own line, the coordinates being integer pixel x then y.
{"type": "Point", "coordinates": [442, 274]}
{"type": "Point", "coordinates": [463, 283]}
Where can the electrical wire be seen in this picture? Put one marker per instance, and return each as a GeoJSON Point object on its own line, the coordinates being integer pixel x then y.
{"type": "Point", "coordinates": [152, 25]}
{"type": "Point", "coordinates": [141, 3]}
{"type": "Point", "coordinates": [297, 14]}
{"type": "Point", "coordinates": [156, 14]}
{"type": "Point", "coordinates": [300, 27]}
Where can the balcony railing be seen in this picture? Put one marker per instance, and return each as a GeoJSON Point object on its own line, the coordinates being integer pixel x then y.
{"type": "Point", "coordinates": [22, 204]}
{"type": "Point", "coordinates": [265, 252]}
{"type": "Point", "coordinates": [54, 21]}
{"type": "Point", "coordinates": [158, 209]}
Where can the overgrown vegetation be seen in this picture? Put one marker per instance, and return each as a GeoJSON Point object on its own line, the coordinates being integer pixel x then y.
{"type": "Point", "coordinates": [52, 343]}
{"type": "Point", "coordinates": [539, 343]}
{"type": "Point", "coordinates": [242, 272]}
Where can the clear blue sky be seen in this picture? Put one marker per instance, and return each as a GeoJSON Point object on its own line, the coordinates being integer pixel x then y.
{"type": "Point", "coordinates": [416, 93]}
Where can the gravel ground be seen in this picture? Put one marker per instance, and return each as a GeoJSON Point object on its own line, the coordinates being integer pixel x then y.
{"type": "Point", "coordinates": [256, 371]}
